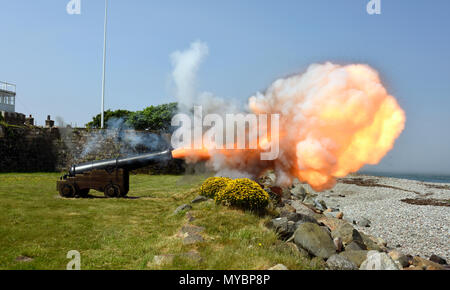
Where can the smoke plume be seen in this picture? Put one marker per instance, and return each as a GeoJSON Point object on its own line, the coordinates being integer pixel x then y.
{"type": "Point", "coordinates": [333, 120]}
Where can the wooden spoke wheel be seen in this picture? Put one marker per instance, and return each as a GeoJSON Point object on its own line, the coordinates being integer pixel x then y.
{"type": "Point", "coordinates": [112, 191]}
{"type": "Point", "coordinates": [67, 190]}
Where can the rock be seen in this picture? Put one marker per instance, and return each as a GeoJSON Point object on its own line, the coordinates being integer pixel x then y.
{"type": "Point", "coordinates": [191, 229]}
{"type": "Point", "coordinates": [182, 208]}
{"type": "Point", "coordinates": [192, 255]}
{"type": "Point", "coordinates": [298, 217]}
{"type": "Point", "coordinates": [191, 238]}
{"type": "Point", "coordinates": [278, 267]}
{"type": "Point", "coordinates": [168, 258]}
{"type": "Point", "coordinates": [331, 222]}
{"type": "Point", "coordinates": [338, 244]}
{"type": "Point", "coordinates": [356, 257]}
{"type": "Point", "coordinates": [438, 260]}
{"type": "Point", "coordinates": [199, 199]}
{"type": "Point", "coordinates": [399, 258]}
{"type": "Point", "coordinates": [24, 259]}
{"type": "Point", "coordinates": [378, 261]}
{"type": "Point", "coordinates": [298, 191]}
{"type": "Point", "coordinates": [286, 194]}
{"type": "Point", "coordinates": [268, 180]}
{"type": "Point", "coordinates": [287, 208]}
{"type": "Point", "coordinates": [309, 199]}
{"type": "Point", "coordinates": [338, 262]}
{"type": "Point", "coordinates": [340, 215]}
{"type": "Point", "coordinates": [356, 246]}
{"type": "Point", "coordinates": [295, 249]}
{"type": "Point", "coordinates": [370, 243]}
{"type": "Point", "coordinates": [315, 240]}
{"type": "Point", "coordinates": [363, 222]}
{"type": "Point", "coordinates": [162, 259]}
{"type": "Point", "coordinates": [426, 264]}
{"type": "Point", "coordinates": [320, 204]}
{"type": "Point", "coordinates": [190, 217]}
{"type": "Point", "coordinates": [330, 214]}
{"type": "Point", "coordinates": [283, 227]}
{"type": "Point", "coordinates": [327, 230]}
{"type": "Point", "coordinates": [381, 242]}
{"type": "Point", "coordinates": [302, 209]}
{"type": "Point", "coordinates": [347, 233]}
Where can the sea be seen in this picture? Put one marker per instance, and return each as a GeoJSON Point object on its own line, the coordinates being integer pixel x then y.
{"type": "Point", "coordinates": [414, 176]}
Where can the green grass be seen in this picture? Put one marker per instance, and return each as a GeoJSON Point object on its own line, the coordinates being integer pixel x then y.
{"type": "Point", "coordinates": [128, 233]}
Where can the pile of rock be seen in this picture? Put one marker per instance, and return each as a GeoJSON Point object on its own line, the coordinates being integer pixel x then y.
{"type": "Point", "coordinates": [319, 231]}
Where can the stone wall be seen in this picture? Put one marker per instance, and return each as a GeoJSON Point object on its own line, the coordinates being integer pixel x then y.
{"type": "Point", "coordinates": [35, 149]}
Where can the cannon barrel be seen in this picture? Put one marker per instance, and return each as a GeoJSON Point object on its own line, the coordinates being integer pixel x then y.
{"type": "Point", "coordinates": [126, 163]}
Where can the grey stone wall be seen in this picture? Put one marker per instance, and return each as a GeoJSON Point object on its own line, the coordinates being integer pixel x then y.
{"type": "Point", "coordinates": [55, 150]}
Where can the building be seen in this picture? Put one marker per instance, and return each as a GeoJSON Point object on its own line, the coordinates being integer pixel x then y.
{"type": "Point", "coordinates": [8, 105]}
{"type": "Point", "coordinates": [7, 97]}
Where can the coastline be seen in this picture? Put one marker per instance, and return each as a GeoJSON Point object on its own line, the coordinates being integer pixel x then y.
{"type": "Point", "coordinates": [404, 212]}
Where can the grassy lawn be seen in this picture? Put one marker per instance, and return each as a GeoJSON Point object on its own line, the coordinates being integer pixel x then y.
{"type": "Point", "coordinates": [128, 233]}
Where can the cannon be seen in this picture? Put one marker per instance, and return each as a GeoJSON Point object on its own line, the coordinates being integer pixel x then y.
{"type": "Point", "coordinates": [111, 176]}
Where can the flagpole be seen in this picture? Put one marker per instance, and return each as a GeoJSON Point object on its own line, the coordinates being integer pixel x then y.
{"type": "Point", "coordinates": [104, 66]}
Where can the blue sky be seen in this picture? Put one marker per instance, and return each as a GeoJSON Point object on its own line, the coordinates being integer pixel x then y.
{"type": "Point", "coordinates": [55, 58]}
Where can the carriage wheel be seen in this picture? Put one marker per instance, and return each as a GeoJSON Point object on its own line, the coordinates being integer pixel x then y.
{"type": "Point", "coordinates": [67, 190]}
{"type": "Point", "coordinates": [112, 191]}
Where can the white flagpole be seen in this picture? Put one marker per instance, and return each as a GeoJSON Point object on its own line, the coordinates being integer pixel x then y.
{"type": "Point", "coordinates": [104, 66]}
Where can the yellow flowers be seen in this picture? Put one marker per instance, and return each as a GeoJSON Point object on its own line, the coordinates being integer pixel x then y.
{"type": "Point", "coordinates": [213, 185]}
{"type": "Point", "coordinates": [243, 193]}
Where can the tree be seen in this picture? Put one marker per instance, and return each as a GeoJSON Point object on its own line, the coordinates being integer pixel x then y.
{"type": "Point", "coordinates": [153, 118]}
{"type": "Point", "coordinates": [109, 115]}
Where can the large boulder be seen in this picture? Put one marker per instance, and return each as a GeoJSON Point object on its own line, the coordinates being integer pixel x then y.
{"type": "Point", "coordinates": [331, 222]}
{"type": "Point", "coordinates": [399, 258]}
{"type": "Point", "coordinates": [357, 257]}
{"type": "Point", "coordinates": [338, 262]}
{"type": "Point", "coordinates": [298, 191]}
{"type": "Point", "coordinates": [370, 243]}
{"type": "Point", "coordinates": [347, 233]}
{"type": "Point", "coordinates": [356, 246]}
{"type": "Point", "coordinates": [426, 264]}
{"type": "Point", "coordinates": [299, 218]}
{"type": "Point", "coordinates": [315, 240]}
{"type": "Point", "coordinates": [302, 209]}
{"type": "Point", "coordinates": [284, 227]}
{"type": "Point", "coordinates": [378, 261]}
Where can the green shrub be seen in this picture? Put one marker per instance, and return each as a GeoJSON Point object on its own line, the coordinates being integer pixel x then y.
{"type": "Point", "coordinates": [243, 193]}
{"type": "Point", "coordinates": [213, 185]}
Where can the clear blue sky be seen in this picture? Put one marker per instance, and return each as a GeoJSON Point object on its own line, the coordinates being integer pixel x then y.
{"type": "Point", "coordinates": [55, 58]}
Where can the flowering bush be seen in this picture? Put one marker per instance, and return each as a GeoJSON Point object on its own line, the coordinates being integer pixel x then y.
{"type": "Point", "coordinates": [213, 185]}
{"type": "Point", "coordinates": [243, 193]}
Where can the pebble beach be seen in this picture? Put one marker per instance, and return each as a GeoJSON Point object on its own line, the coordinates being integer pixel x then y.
{"type": "Point", "coordinates": [411, 216]}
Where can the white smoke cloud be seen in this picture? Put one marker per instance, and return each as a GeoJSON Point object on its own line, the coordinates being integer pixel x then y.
{"type": "Point", "coordinates": [334, 119]}
{"type": "Point", "coordinates": [186, 64]}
